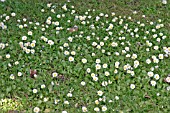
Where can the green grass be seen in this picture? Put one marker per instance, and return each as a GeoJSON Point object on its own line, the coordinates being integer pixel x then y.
{"type": "Point", "coordinates": [49, 59]}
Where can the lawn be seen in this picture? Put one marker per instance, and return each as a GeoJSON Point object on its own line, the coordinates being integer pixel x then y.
{"type": "Point", "coordinates": [59, 56]}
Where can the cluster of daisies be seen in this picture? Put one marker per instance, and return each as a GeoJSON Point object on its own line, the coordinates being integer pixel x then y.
{"type": "Point", "coordinates": [5, 18]}
{"type": "Point", "coordinates": [28, 47]}
{"type": "Point", "coordinates": [91, 42]}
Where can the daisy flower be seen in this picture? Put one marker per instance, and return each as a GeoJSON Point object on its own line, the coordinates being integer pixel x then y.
{"type": "Point", "coordinates": [105, 65]}
{"type": "Point", "coordinates": [98, 66]}
{"type": "Point", "coordinates": [84, 109]}
{"type": "Point", "coordinates": [150, 74]}
{"type": "Point", "coordinates": [96, 109]}
{"type": "Point", "coordinates": [100, 93]}
{"type": "Point", "coordinates": [54, 74]}
{"type": "Point", "coordinates": [34, 90]}
{"type": "Point", "coordinates": [116, 97]}
{"type": "Point", "coordinates": [50, 42]}
{"type": "Point", "coordinates": [153, 83]}
{"type": "Point", "coordinates": [132, 86]}
{"type": "Point", "coordinates": [168, 79]}
{"type": "Point", "coordinates": [98, 61]}
{"type": "Point", "coordinates": [88, 70]}
{"type": "Point", "coordinates": [95, 78]}
{"type": "Point", "coordinates": [36, 109]}
{"type": "Point", "coordinates": [104, 108]}
{"type": "Point", "coordinates": [71, 59]}
{"type": "Point", "coordinates": [83, 83]}
{"type": "Point", "coordinates": [24, 38]}
{"type": "Point", "coordinates": [84, 60]}
{"type": "Point", "coordinates": [43, 86]}
{"type": "Point", "coordinates": [30, 33]}
{"type": "Point", "coordinates": [164, 2]}
{"type": "Point", "coordinates": [12, 77]}
{"type": "Point", "coordinates": [107, 73]}
{"type": "Point", "coordinates": [156, 76]}
{"type": "Point", "coordinates": [8, 56]}
{"type": "Point", "coordinates": [19, 74]}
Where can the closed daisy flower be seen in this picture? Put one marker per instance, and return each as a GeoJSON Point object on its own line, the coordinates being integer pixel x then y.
{"type": "Point", "coordinates": [104, 83]}
{"type": "Point", "coordinates": [45, 99]}
{"type": "Point", "coordinates": [136, 63]}
{"type": "Point", "coordinates": [117, 64]}
{"type": "Point", "coordinates": [56, 101]}
{"type": "Point", "coordinates": [64, 7]}
{"type": "Point", "coordinates": [115, 71]}
{"type": "Point", "coordinates": [69, 95]}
